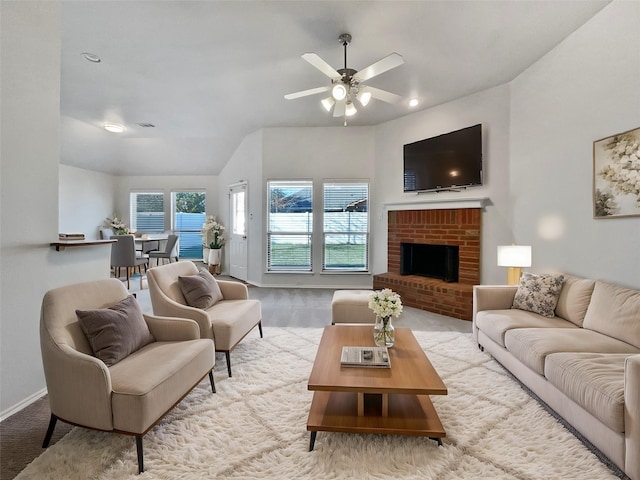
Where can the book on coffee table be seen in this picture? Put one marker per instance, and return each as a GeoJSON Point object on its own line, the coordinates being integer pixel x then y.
{"type": "Point", "coordinates": [365, 357]}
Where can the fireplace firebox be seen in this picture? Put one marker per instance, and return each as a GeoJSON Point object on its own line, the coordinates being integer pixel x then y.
{"type": "Point", "coordinates": [427, 260]}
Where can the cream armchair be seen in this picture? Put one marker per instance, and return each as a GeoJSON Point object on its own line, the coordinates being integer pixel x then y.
{"type": "Point", "coordinates": [227, 322]}
{"type": "Point", "coordinates": [130, 396]}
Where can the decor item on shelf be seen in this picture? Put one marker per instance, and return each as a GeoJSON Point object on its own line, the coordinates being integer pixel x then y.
{"type": "Point", "coordinates": [385, 304]}
{"type": "Point", "coordinates": [347, 84]}
{"type": "Point", "coordinates": [118, 226]}
{"type": "Point", "coordinates": [616, 175]}
{"type": "Point", "coordinates": [514, 257]}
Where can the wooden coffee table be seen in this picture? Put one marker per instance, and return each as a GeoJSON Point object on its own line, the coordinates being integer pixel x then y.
{"type": "Point", "coordinates": [373, 400]}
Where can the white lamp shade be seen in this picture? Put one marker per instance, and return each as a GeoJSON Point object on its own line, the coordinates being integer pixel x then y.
{"type": "Point", "coordinates": [350, 109]}
{"type": "Point", "coordinates": [327, 103]}
{"type": "Point", "coordinates": [514, 256]}
{"type": "Point", "coordinates": [339, 91]}
{"type": "Point", "coordinates": [364, 97]}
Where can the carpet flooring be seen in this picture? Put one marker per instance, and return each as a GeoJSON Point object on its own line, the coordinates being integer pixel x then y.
{"type": "Point", "coordinates": [254, 427]}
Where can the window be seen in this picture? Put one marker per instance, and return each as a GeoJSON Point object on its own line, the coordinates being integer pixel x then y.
{"type": "Point", "coordinates": [147, 212]}
{"type": "Point", "coordinates": [290, 225]}
{"type": "Point", "coordinates": [188, 212]}
{"type": "Point", "coordinates": [346, 226]}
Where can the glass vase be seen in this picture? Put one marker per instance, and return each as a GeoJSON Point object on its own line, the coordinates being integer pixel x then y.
{"type": "Point", "coordinates": [383, 332]}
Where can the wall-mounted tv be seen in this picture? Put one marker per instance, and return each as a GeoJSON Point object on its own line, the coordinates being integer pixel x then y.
{"type": "Point", "coordinates": [447, 162]}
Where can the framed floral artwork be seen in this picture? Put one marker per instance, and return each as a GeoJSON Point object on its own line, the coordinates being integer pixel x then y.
{"type": "Point", "coordinates": [616, 175]}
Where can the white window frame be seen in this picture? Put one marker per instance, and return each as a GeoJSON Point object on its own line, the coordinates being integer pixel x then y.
{"type": "Point", "coordinates": [174, 224]}
{"type": "Point", "coordinates": [352, 231]}
{"type": "Point", "coordinates": [305, 235]}
{"type": "Point", "coordinates": [133, 213]}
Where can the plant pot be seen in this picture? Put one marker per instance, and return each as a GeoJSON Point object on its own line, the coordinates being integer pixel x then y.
{"type": "Point", "coordinates": [214, 256]}
{"type": "Point", "coordinates": [205, 254]}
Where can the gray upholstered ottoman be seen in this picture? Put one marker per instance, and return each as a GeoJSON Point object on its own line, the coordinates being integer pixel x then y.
{"type": "Point", "coordinates": [351, 306]}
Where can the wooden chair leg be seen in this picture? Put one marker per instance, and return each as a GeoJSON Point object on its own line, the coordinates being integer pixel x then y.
{"type": "Point", "coordinates": [213, 384]}
{"type": "Point", "coordinates": [228, 355]}
{"type": "Point", "coordinates": [52, 426]}
{"type": "Point", "coordinates": [140, 454]}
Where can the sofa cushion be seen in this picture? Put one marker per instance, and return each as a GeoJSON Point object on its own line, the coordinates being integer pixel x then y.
{"type": "Point", "coordinates": [595, 381]}
{"type": "Point", "coordinates": [614, 311]}
{"type": "Point", "coordinates": [149, 382]}
{"type": "Point", "coordinates": [232, 319]}
{"type": "Point", "coordinates": [200, 290]}
{"type": "Point", "coordinates": [494, 323]}
{"type": "Point", "coordinates": [538, 293]}
{"type": "Point", "coordinates": [574, 298]}
{"type": "Point", "coordinates": [532, 345]}
{"type": "Point", "coordinates": [115, 332]}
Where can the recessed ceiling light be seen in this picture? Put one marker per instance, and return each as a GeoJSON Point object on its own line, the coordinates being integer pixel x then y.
{"type": "Point", "coordinates": [92, 57]}
{"type": "Point", "coordinates": [113, 127]}
{"type": "Point", "coordinates": [414, 102]}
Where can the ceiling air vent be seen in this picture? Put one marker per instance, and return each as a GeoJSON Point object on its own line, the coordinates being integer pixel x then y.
{"type": "Point", "coordinates": [146, 125]}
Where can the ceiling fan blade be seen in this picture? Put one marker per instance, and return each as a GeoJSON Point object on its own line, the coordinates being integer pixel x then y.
{"type": "Point", "coordinates": [304, 93]}
{"type": "Point", "coordinates": [387, 63]}
{"type": "Point", "coordinates": [339, 108]}
{"type": "Point", "coordinates": [384, 95]}
{"type": "Point", "coordinates": [321, 65]}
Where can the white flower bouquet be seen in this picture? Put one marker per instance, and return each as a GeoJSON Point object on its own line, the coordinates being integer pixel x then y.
{"type": "Point", "coordinates": [215, 229]}
{"type": "Point", "coordinates": [385, 303]}
{"type": "Point", "coordinates": [117, 225]}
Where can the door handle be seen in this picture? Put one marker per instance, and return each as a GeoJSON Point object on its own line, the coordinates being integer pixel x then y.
{"type": "Point", "coordinates": [244, 237]}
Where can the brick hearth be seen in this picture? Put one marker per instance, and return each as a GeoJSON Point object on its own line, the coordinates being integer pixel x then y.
{"type": "Point", "coordinates": [439, 227]}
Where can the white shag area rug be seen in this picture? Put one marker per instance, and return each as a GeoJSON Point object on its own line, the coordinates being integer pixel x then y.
{"type": "Point", "coordinates": [255, 427]}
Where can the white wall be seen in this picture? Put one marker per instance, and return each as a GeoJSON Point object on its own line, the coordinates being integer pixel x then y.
{"type": "Point", "coordinates": [316, 154]}
{"type": "Point", "coordinates": [245, 165]}
{"type": "Point", "coordinates": [30, 116]}
{"type": "Point", "coordinates": [585, 89]}
{"type": "Point", "coordinates": [86, 200]}
{"type": "Point", "coordinates": [124, 185]}
{"type": "Point", "coordinates": [491, 109]}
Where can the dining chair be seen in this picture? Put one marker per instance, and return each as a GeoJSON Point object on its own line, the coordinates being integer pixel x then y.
{"type": "Point", "coordinates": [123, 254]}
{"type": "Point", "coordinates": [171, 250]}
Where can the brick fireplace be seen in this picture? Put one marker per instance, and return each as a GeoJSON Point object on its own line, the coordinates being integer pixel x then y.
{"type": "Point", "coordinates": [442, 227]}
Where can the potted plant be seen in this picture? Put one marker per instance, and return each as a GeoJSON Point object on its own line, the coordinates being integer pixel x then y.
{"type": "Point", "coordinates": [212, 230]}
{"type": "Point", "coordinates": [118, 226]}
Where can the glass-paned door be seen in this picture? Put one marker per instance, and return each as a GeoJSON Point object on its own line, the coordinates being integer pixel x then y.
{"type": "Point", "coordinates": [188, 217]}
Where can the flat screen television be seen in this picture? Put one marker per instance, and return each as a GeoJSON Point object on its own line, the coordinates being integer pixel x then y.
{"type": "Point", "coordinates": [449, 161]}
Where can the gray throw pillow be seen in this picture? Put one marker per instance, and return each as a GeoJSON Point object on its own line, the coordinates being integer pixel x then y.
{"type": "Point", "coordinates": [200, 290]}
{"type": "Point", "coordinates": [538, 293]}
{"type": "Point", "coordinates": [115, 332]}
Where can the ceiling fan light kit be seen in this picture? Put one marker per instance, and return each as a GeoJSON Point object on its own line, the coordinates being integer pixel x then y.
{"type": "Point", "coordinates": [347, 83]}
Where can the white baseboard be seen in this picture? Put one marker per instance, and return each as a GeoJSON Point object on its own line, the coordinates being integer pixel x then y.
{"type": "Point", "coordinates": [23, 404]}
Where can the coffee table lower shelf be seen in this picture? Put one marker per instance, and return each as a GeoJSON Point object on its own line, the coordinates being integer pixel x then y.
{"type": "Point", "coordinates": [412, 415]}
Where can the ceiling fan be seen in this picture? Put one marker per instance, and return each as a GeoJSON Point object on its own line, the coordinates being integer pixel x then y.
{"type": "Point", "coordinates": [347, 84]}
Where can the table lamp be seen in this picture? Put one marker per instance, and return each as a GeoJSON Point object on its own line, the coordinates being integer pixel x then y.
{"type": "Point", "coordinates": [514, 257]}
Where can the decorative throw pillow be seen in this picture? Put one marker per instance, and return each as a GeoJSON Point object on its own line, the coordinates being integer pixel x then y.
{"type": "Point", "coordinates": [538, 293]}
{"type": "Point", "coordinates": [200, 290]}
{"type": "Point", "coordinates": [115, 332]}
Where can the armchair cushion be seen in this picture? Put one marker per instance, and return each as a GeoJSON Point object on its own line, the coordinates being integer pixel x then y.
{"type": "Point", "coordinates": [200, 290]}
{"type": "Point", "coordinates": [115, 332]}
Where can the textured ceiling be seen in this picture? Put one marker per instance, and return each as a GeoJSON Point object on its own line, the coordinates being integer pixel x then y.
{"type": "Point", "coordinates": [207, 73]}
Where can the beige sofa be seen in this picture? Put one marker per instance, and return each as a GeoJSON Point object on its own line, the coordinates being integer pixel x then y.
{"type": "Point", "coordinates": [584, 362]}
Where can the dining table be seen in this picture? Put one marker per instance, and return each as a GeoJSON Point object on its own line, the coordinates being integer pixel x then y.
{"type": "Point", "coordinates": [148, 242]}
